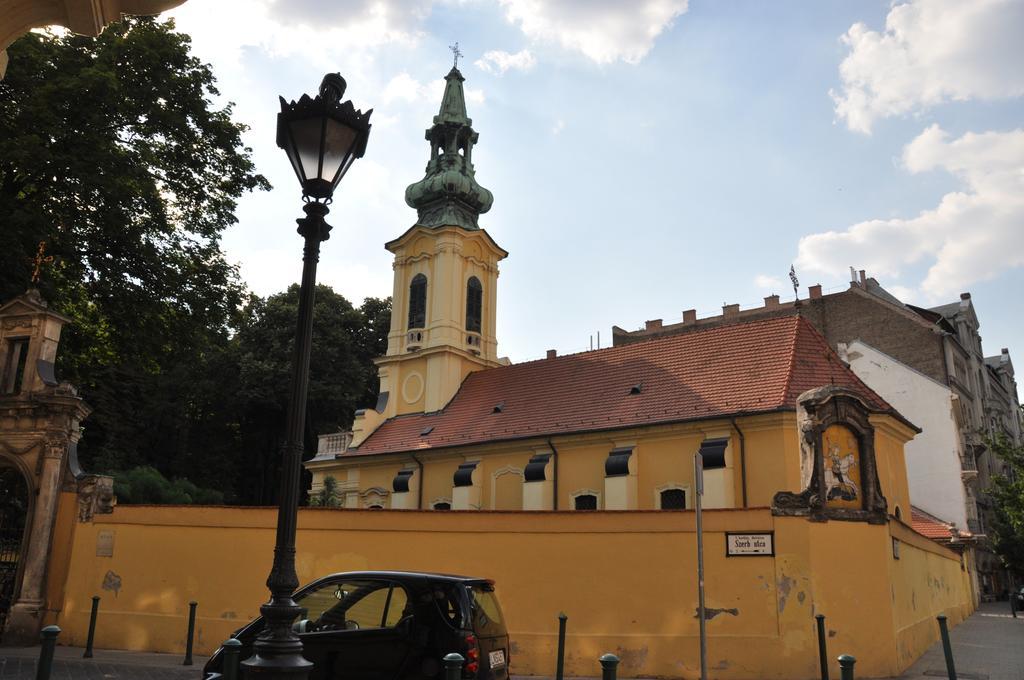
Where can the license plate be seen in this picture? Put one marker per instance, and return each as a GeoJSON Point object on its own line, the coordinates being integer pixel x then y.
{"type": "Point", "coordinates": [496, 658]}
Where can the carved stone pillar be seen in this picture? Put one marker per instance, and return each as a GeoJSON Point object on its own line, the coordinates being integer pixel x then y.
{"type": "Point", "coordinates": [26, 614]}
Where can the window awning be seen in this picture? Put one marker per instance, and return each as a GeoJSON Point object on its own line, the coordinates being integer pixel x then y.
{"type": "Point", "coordinates": [713, 452]}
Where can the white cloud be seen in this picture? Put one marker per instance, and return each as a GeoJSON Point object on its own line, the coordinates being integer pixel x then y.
{"type": "Point", "coordinates": [973, 234]}
{"type": "Point", "coordinates": [406, 88]}
{"type": "Point", "coordinates": [603, 30]}
{"type": "Point", "coordinates": [767, 282]}
{"type": "Point", "coordinates": [499, 61]}
{"type": "Point", "coordinates": [557, 128]}
{"type": "Point", "coordinates": [223, 30]}
{"type": "Point", "coordinates": [931, 51]}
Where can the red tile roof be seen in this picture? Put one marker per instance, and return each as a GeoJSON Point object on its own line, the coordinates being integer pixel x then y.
{"type": "Point", "coordinates": [744, 368]}
{"type": "Point", "coordinates": [932, 527]}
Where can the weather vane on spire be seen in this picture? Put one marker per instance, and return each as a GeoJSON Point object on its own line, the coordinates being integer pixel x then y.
{"type": "Point", "coordinates": [455, 51]}
{"type": "Point", "coordinates": [796, 281]}
{"type": "Point", "coordinates": [39, 260]}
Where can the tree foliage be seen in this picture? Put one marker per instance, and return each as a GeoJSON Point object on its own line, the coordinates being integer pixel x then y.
{"type": "Point", "coordinates": [342, 374]}
{"type": "Point", "coordinates": [145, 484]}
{"type": "Point", "coordinates": [113, 152]}
{"type": "Point", "coordinates": [328, 496]}
{"type": "Point", "coordinates": [1007, 493]}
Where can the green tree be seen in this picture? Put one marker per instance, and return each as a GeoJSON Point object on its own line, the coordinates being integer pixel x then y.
{"type": "Point", "coordinates": [342, 376]}
{"type": "Point", "coordinates": [327, 497]}
{"type": "Point", "coordinates": [1007, 493]}
{"type": "Point", "coordinates": [145, 484]}
{"type": "Point", "coordinates": [113, 153]}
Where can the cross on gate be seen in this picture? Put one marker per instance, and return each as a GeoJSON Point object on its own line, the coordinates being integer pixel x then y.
{"type": "Point", "coordinates": [39, 260]}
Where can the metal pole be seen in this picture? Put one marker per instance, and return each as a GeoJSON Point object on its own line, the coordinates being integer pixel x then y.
{"type": "Point", "coordinates": [846, 666]}
{"type": "Point", "coordinates": [560, 665]}
{"type": "Point", "coordinates": [191, 633]}
{"type": "Point", "coordinates": [277, 652]}
{"type": "Point", "coordinates": [232, 648]}
{"type": "Point", "coordinates": [92, 627]}
{"type": "Point", "coordinates": [698, 476]}
{"type": "Point", "coordinates": [453, 666]}
{"type": "Point", "coordinates": [609, 662]}
{"type": "Point", "coordinates": [947, 649]}
{"type": "Point", "coordinates": [822, 651]}
{"type": "Point", "coordinates": [48, 640]}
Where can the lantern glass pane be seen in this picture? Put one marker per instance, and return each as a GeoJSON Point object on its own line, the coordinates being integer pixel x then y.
{"type": "Point", "coordinates": [338, 142]}
{"type": "Point", "coordinates": [306, 134]}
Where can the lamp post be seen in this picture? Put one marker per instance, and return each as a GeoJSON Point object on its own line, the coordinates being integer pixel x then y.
{"type": "Point", "coordinates": [322, 137]}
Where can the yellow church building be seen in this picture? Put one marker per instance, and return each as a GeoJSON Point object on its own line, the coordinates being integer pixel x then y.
{"type": "Point", "coordinates": [569, 482]}
{"type": "Point", "coordinates": [458, 428]}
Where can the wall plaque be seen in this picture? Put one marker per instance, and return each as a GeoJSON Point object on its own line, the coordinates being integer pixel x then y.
{"type": "Point", "coordinates": [105, 544]}
{"type": "Point", "coordinates": [744, 545]}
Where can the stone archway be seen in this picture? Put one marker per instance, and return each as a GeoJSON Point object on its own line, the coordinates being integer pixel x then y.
{"type": "Point", "coordinates": [15, 511]}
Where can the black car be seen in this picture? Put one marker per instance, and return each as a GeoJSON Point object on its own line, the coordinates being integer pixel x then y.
{"type": "Point", "coordinates": [393, 625]}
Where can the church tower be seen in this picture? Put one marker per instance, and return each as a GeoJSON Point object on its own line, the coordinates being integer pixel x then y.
{"type": "Point", "coordinates": [446, 277]}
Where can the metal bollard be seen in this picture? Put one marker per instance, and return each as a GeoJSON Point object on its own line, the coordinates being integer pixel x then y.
{"type": "Point", "coordinates": [191, 632]}
{"type": "Point", "coordinates": [609, 662]}
{"type": "Point", "coordinates": [92, 627]}
{"type": "Point", "coordinates": [846, 666]}
{"type": "Point", "coordinates": [560, 665]}
{"type": "Point", "coordinates": [453, 666]}
{"type": "Point", "coordinates": [48, 640]}
{"type": "Point", "coordinates": [822, 651]}
{"type": "Point", "coordinates": [232, 649]}
{"type": "Point", "coordinates": [947, 649]}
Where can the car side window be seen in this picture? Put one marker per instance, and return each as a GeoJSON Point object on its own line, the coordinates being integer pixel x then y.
{"type": "Point", "coordinates": [354, 605]}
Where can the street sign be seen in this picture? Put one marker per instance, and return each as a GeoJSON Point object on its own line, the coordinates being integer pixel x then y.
{"type": "Point", "coordinates": [752, 544]}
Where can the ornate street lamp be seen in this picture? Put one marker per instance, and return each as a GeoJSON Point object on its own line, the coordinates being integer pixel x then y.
{"type": "Point", "coordinates": [322, 137]}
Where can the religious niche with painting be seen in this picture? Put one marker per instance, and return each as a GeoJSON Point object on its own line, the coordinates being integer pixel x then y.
{"type": "Point", "coordinates": [842, 467]}
{"type": "Point", "coordinates": [839, 474]}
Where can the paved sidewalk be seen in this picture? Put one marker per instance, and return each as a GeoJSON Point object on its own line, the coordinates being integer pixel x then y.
{"type": "Point", "coordinates": [19, 663]}
{"type": "Point", "coordinates": [987, 646]}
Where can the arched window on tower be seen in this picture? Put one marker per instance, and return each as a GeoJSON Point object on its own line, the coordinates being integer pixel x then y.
{"type": "Point", "coordinates": [474, 304]}
{"type": "Point", "coordinates": [418, 301]}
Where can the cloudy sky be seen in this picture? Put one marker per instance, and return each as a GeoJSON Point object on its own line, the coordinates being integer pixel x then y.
{"type": "Point", "coordinates": [652, 156]}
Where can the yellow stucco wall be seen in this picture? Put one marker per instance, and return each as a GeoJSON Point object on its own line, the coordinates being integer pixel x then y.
{"type": "Point", "coordinates": [625, 579]}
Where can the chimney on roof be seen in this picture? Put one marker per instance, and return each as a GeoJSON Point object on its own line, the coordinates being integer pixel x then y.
{"type": "Point", "coordinates": [652, 325]}
{"type": "Point", "coordinates": [771, 302]}
{"type": "Point", "coordinates": [965, 296]}
{"type": "Point", "coordinates": [863, 278]}
{"type": "Point", "coordinates": [690, 316]}
{"type": "Point", "coordinates": [853, 276]}
{"type": "Point", "coordinates": [552, 353]}
{"type": "Point", "coordinates": [1006, 350]}
{"type": "Point", "coordinates": [814, 291]}
{"type": "Point", "coordinates": [729, 311]}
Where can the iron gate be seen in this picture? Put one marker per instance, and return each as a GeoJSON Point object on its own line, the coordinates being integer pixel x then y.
{"type": "Point", "coordinates": [13, 511]}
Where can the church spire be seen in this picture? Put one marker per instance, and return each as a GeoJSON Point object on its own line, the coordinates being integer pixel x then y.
{"type": "Point", "coordinates": [448, 195]}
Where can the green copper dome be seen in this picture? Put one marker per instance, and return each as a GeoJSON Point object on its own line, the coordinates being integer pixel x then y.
{"type": "Point", "coordinates": [448, 195]}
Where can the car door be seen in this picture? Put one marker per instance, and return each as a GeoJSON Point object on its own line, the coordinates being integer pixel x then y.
{"type": "Point", "coordinates": [357, 630]}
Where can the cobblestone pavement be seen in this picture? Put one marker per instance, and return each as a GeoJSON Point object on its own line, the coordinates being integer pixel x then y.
{"type": "Point", "coordinates": [19, 663]}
